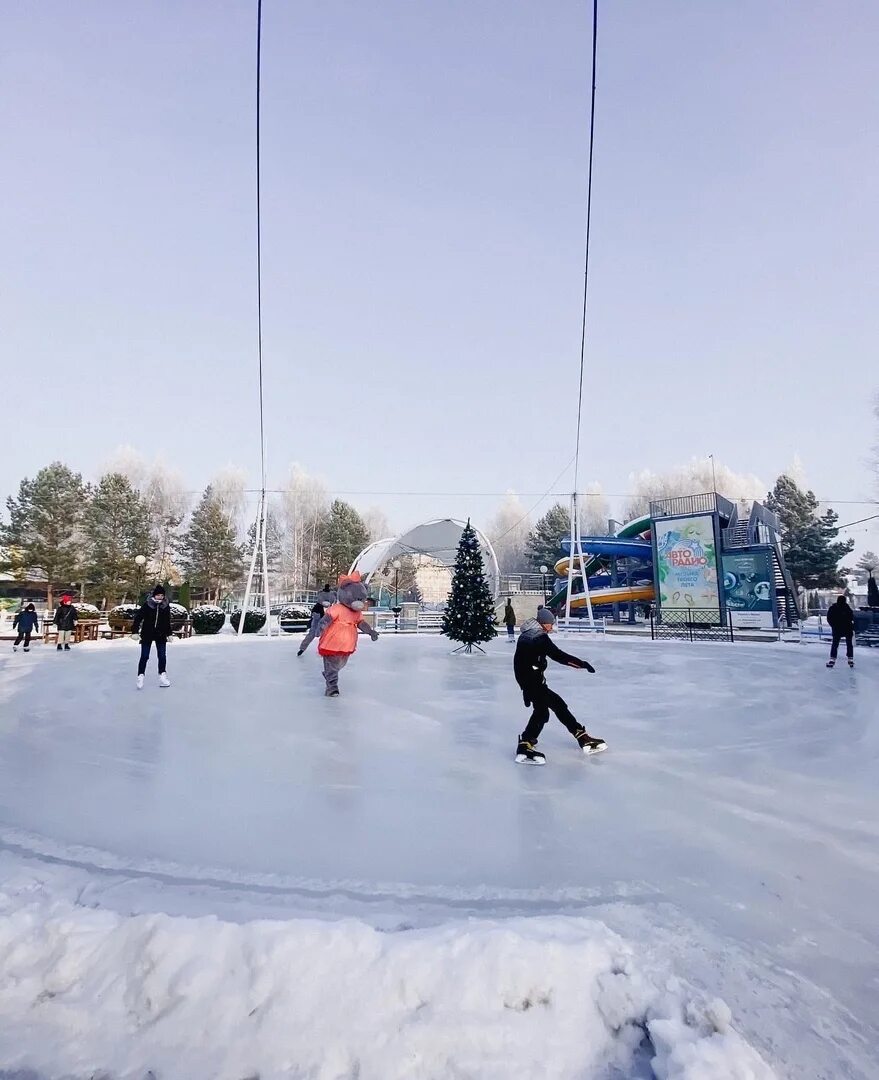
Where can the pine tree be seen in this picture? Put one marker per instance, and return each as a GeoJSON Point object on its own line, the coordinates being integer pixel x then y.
{"type": "Point", "coordinates": [210, 552]}
{"type": "Point", "coordinates": [43, 531]}
{"type": "Point", "coordinates": [116, 528]}
{"type": "Point", "coordinates": [544, 544]}
{"type": "Point", "coordinates": [808, 538]}
{"type": "Point", "coordinates": [469, 616]}
{"type": "Point", "coordinates": [343, 535]}
{"type": "Point", "coordinates": [872, 592]}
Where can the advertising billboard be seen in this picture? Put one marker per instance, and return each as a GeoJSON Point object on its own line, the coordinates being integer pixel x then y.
{"type": "Point", "coordinates": [749, 588]}
{"type": "Point", "coordinates": [686, 566]}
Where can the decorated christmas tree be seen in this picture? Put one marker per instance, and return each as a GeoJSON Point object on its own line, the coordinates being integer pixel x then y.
{"type": "Point", "coordinates": [469, 615]}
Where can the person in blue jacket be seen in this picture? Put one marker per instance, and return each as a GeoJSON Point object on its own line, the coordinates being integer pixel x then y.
{"type": "Point", "coordinates": [26, 622]}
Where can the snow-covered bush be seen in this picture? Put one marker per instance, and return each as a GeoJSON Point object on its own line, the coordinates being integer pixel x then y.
{"type": "Point", "coordinates": [207, 619]}
{"type": "Point", "coordinates": [293, 617]}
{"type": "Point", "coordinates": [254, 620]}
{"type": "Point", "coordinates": [86, 611]}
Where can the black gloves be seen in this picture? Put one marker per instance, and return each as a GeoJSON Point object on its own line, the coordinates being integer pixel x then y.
{"type": "Point", "coordinates": [589, 667]}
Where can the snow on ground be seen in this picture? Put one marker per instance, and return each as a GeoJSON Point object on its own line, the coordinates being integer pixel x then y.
{"type": "Point", "coordinates": [238, 877]}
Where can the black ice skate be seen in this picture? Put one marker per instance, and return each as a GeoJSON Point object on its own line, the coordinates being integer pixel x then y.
{"type": "Point", "coordinates": [589, 745]}
{"type": "Point", "coordinates": [527, 754]}
{"type": "Point", "coordinates": [851, 663]}
{"type": "Point", "coordinates": [331, 693]}
{"type": "Point", "coordinates": [831, 663]}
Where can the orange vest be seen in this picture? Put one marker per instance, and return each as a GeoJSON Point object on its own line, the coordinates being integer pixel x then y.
{"type": "Point", "coordinates": [340, 637]}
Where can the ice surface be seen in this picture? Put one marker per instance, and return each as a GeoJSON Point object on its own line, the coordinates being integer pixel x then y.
{"type": "Point", "coordinates": [729, 834]}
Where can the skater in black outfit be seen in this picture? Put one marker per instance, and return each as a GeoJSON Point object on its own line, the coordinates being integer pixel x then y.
{"type": "Point", "coordinates": [27, 622]}
{"type": "Point", "coordinates": [154, 623]}
{"type": "Point", "coordinates": [65, 620]}
{"type": "Point", "coordinates": [842, 622]}
{"type": "Point", "coordinates": [529, 664]}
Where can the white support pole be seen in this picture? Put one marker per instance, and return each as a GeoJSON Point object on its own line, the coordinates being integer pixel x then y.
{"type": "Point", "coordinates": [571, 561]}
{"type": "Point", "coordinates": [583, 565]}
{"type": "Point", "coordinates": [265, 572]}
{"type": "Point", "coordinates": [256, 540]}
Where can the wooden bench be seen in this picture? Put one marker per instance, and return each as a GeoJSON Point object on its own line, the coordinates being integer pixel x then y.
{"type": "Point", "coordinates": [85, 630]}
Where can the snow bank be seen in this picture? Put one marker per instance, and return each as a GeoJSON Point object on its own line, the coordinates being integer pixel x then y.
{"type": "Point", "coordinates": [86, 992]}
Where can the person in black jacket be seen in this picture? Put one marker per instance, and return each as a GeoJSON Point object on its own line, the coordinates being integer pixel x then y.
{"type": "Point", "coordinates": [27, 622]}
{"type": "Point", "coordinates": [533, 650]}
{"type": "Point", "coordinates": [842, 623]}
{"type": "Point", "coordinates": [510, 619]}
{"type": "Point", "coordinates": [65, 620]}
{"type": "Point", "coordinates": [154, 623]}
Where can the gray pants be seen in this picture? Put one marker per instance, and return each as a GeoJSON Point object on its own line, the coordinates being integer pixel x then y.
{"type": "Point", "coordinates": [332, 666]}
{"type": "Point", "coordinates": [312, 633]}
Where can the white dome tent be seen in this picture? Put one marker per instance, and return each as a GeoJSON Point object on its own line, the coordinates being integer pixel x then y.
{"type": "Point", "coordinates": [437, 539]}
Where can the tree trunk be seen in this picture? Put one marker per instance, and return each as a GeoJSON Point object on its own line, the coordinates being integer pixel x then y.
{"type": "Point", "coordinates": [49, 597]}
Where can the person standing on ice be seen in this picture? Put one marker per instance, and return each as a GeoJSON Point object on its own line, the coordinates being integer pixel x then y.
{"type": "Point", "coordinates": [339, 628]}
{"type": "Point", "coordinates": [27, 622]}
{"type": "Point", "coordinates": [325, 598]}
{"type": "Point", "coordinates": [842, 622]}
{"type": "Point", "coordinates": [529, 664]}
{"type": "Point", "coordinates": [510, 620]}
{"type": "Point", "coordinates": [153, 621]}
{"type": "Point", "coordinates": [65, 619]}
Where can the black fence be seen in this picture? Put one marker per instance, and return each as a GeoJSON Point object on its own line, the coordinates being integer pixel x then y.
{"type": "Point", "coordinates": [691, 624]}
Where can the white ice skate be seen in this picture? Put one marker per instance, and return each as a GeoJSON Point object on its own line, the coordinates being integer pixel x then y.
{"type": "Point", "coordinates": [140, 682]}
{"type": "Point", "coordinates": [164, 680]}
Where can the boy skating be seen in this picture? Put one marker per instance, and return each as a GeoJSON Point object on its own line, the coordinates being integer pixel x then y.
{"type": "Point", "coordinates": [65, 619]}
{"type": "Point", "coordinates": [842, 622]}
{"type": "Point", "coordinates": [153, 621]}
{"type": "Point", "coordinates": [339, 629]}
{"type": "Point", "coordinates": [26, 622]}
{"type": "Point", "coordinates": [529, 664]}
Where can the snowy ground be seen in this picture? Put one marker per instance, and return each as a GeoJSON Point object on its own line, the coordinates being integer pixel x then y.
{"type": "Point", "coordinates": [237, 877]}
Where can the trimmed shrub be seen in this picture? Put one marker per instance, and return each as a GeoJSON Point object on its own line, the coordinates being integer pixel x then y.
{"type": "Point", "coordinates": [122, 617]}
{"type": "Point", "coordinates": [207, 619]}
{"type": "Point", "coordinates": [254, 620]}
{"type": "Point", "coordinates": [86, 611]}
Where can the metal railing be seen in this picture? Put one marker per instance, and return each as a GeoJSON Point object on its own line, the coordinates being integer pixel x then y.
{"type": "Point", "coordinates": [691, 624]}
{"type": "Point", "coordinates": [708, 502]}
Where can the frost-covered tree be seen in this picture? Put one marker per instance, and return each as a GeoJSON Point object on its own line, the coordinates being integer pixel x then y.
{"type": "Point", "coordinates": [508, 532]}
{"type": "Point", "coordinates": [43, 534]}
{"type": "Point", "coordinates": [304, 503]}
{"type": "Point", "coordinates": [692, 479]}
{"type": "Point", "coordinates": [274, 540]}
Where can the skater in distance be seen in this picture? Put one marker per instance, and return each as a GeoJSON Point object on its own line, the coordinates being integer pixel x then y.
{"type": "Point", "coordinates": [153, 623]}
{"type": "Point", "coordinates": [26, 621]}
{"type": "Point", "coordinates": [65, 619]}
{"type": "Point", "coordinates": [842, 623]}
{"type": "Point", "coordinates": [510, 619]}
{"type": "Point", "coordinates": [533, 650]}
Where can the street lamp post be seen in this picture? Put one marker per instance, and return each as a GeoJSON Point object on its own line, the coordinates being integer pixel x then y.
{"type": "Point", "coordinates": [140, 562]}
{"type": "Point", "coordinates": [396, 565]}
{"type": "Point", "coordinates": [544, 570]}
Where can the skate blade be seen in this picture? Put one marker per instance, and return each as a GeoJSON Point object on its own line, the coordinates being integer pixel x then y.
{"type": "Point", "coordinates": [522, 760]}
{"type": "Point", "coordinates": [589, 750]}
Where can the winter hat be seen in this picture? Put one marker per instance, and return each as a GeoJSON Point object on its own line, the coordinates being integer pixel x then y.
{"type": "Point", "coordinates": [30, 607]}
{"type": "Point", "coordinates": [159, 590]}
{"type": "Point", "coordinates": [545, 617]}
{"type": "Point", "coordinates": [65, 599]}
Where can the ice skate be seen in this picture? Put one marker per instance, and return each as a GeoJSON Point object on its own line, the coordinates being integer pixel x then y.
{"type": "Point", "coordinates": [831, 663]}
{"type": "Point", "coordinates": [140, 682]}
{"type": "Point", "coordinates": [331, 693]}
{"type": "Point", "coordinates": [527, 754]}
{"type": "Point", "coordinates": [15, 648]}
{"type": "Point", "coordinates": [59, 647]}
{"type": "Point", "coordinates": [588, 744]}
{"type": "Point", "coordinates": [67, 648]}
{"type": "Point", "coordinates": [851, 663]}
{"type": "Point", "coordinates": [164, 680]}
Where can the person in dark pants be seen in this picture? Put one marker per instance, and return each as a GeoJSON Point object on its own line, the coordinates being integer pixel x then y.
{"type": "Point", "coordinates": [26, 621]}
{"type": "Point", "coordinates": [529, 664]}
{"type": "Point", "coordinates": [510, 619]}
{"type": "Point", "coordinates": [153, 621]}
{"type": "Point", "coordinates": [842, 622]}
{"type": "Point", "coordinates": [65, 620]}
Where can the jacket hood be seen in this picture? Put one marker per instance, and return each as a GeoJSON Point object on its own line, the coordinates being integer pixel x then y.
{"type": "Point", "coordinates": [531, 627]}
{"type": "Point", "coordinates": [151, 602]}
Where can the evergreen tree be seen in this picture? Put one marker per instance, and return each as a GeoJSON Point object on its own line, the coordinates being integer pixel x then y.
{"type": "Point", "coordinates": [872, 592]}
{"type": "Point", "coordinates": [469, 616]}
{"type": "Point", "coordinates": [43, 531]}
{"type": "Point", "coordinates": [808, 538]}
{"type": "Point", "coordinates": [209, 549]}
{"type": "Point", "coordinates": [544, 544]}
{"type": "Point", "coordinates": [116, 528]}
{"type": "Point", "coordinates": [342, 536]}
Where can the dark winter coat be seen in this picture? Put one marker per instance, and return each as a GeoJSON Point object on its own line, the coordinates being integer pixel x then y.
{"type": "Point", "coordinates": [26, 621]}
{"type": "Point", "coordinates": [533, 651]}
{"type": "Point", "coordinates": [65, 617]}
{"type": "Point", "coordinates": [509, 616]}
{"type": "Point", "coordinates": [841, 618]}
{"type": "Point", "coordinates": [153, 621]}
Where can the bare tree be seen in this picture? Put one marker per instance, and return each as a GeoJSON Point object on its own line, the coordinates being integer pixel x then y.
{"type": "Point", "coordinates": [691, 479]}
{"type": "Point", "coordinates": [376, 521]}
{"type": "Point", "coordinates": [304, 504]}
{"type": "Point", "coordinates": [508, 532]}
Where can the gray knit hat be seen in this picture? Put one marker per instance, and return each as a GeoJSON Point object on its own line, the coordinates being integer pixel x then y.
{"type": "Point", "coordinates": [545, 617]}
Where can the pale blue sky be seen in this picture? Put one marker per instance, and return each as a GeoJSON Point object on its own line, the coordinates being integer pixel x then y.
{"type": "Point", "coordinates": [423, 207]}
